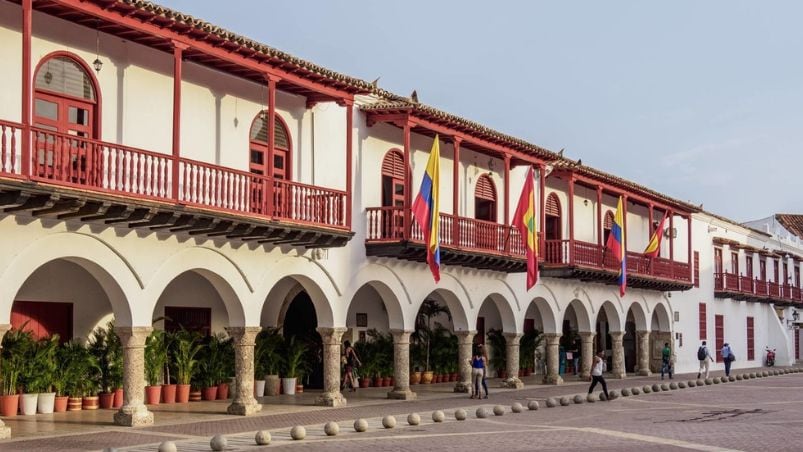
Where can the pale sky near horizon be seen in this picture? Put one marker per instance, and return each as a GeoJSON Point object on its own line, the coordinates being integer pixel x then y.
{"type": "Point", "coordinates": [702, 101]}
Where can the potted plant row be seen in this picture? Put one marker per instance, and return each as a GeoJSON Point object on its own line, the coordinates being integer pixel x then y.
{"type": "Point", "coordinates": [268, 362]}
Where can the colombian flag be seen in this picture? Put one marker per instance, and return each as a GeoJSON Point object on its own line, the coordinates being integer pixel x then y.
{"type": "Point", "coordinates": [426, 211]}
{"type": "Point", "coordinates": [616, 245]}
{"type": "Point", "coordinates": [524, 221]}
{"type": "Point", "coordinates": [654, 247]}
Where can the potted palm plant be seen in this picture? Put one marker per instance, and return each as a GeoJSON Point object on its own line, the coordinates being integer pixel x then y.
{"type": "Point", "coordinates": [101, 346]}
{"type": "Point", "coordinates": [259, 366]}
{"type": "Point", "coordinates": [44, 359]}
{"type": "Point", "coordinates": [424, 331]}
{"type": "Point", "coordinates": [293, 360]}
{"type": "Point", "coordinates": [527, 346]}
{"type": "Point", "coordinates": [26, 347]}
{"type": "Point", "coordinates": [155, 359]}
{"type": "Point", "coordinates": [186, 349]}
{"type": "Point", "coordinates": [225, 368]}
{"type": "Point", "coordinates": [11, 366]}
{"type": "Point", "coordinates": [210, 365]}
{"type": "Point", "coordinates": [77, 368]}
{"type": "Point", "coordinates": [168, 387]}
{"type": "Point", "coordinates": [272, 359]}
{"type": "Point", "coordinates": [497, 344]}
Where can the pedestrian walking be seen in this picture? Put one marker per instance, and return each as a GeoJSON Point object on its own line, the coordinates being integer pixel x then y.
{"type": "Point", "coordinates": [352, 361]}
{"type": "Point", "coordinates": [597, 369]}
{"type": "Point", "coordinates": [704, 357]}
{"type": "Point", "coordinates": [478, 366]}
{"type": "Point", "coordinates": [728, 357]}
{"type": "Point", "coordinates": [666, 361]}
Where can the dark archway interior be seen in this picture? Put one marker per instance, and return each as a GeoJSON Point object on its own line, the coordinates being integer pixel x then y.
{"type": "Point", "coordinates": [629, 343]}
{"type": "Point", "coordinates": [302, 322]}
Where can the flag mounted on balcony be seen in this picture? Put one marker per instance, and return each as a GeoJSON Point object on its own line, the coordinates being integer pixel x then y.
{"type": "Point", "coordinates": [654, 247]}
{"type": "Point", "coordinates": [426, 210]}
{"type": "Point", "coordinates": [616, 246]}
{"type": "Point", "coordinates": [524, 221]}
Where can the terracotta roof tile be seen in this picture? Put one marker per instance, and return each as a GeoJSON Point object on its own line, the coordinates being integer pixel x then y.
{"type": "Point", "coordinates": [793, 223]}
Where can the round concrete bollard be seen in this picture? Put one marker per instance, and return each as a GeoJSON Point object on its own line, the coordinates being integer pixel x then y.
{"type": "Point", "coordinates": [218, 442]}
{"type": "Point", "coordinates": [646, 389]}
{"type": "Point", "coordinates": [516, 408]}
{"type": "Point", "coordinates": [262, 438]}
{"type": "Point", "coordinates": [701, 382]}
{"type": "Point", "coordinates": [625, 392]}
{"type": "Point", "coordinates": [673, 386]}
{"type": "Point", "coordinates": [578, 399]}
{"type": "Point", "coordinates": [591, 398]}
{"type": "Point", "coordinates": [664, 387]}
{"type": "Point", "coordinates": [656, 388]}
{"type": "Point", "coordinates": [532, 405]}
{"type": "Point", "coordinates": [389, 422]}
{"type": "Point", "coordinates": [716, 380]}
{"type": "Point", "coordinates": [499, 410]}
{"type": "Point", "coordinates": [298, 433]}
{"type": "Point", "coordinates": [635, 390]}
{"type": "Point", "coordinates": [460, 414]}
{"type": "Point", "coordinates": [692, 383]}
{"type": "Point", "coordinates": [413, 419]}
{"type": "Point", "coordinates": [360, 425]}
{"type": "Point", "coordinates": [765, 374]}
{"type": "Point", "coordinates": [681, 385]}
{"type": "Point", "coordinates": [331, 428]}
{"type": "Point", "coordinates": [602, 397]}
{"type": "Point", "coordinates": [168, 446]}
{"type": "Point", "coordinates": [565, 401]}
{"type": "Point", "coordinates": [613, 395]}
{"type": "Point", "coordinates": [481, 413]}
{"type": "Point", "coordinates": [752, 375]}
{"type": "Point", "coordinates": [438, 416]}
{"type": "Point", "coordinates": [709, 381]}
{"type": "Point", "coordinates": [739, 377]}
{"type": "Point", "coordinates": [551, 402]}
{"type": "Point", "coordinates": [731, 378]}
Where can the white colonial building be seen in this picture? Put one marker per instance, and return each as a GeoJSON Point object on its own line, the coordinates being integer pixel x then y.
{"type": "Point", "coordinates": [153, 165]}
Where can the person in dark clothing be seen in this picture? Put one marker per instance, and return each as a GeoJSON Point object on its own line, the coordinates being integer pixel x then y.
{"type": "Point", "coordinates": [597, 369]}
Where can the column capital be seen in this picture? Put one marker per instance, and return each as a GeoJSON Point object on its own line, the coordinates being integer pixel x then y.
{"type": "Point", "coordinates": [270, 77]}
{"type": "Point", "coordinates": [179, 45]}
{"type": "Point", "coordinates": [513, 337]}
{"type": "Point", "coordinates": [401, 336]}
{"type": "Point", "coordinates": [464, 337]}
{"type": "Point", "coordinates": [553, 335]}
{"type": "Point", "coordinates": [588, 335]}
{"type": "Point", "coordinates": [331, 335]}
{"type": "Point", "coordinates": [244, 335]}
{"type": "Point", "coordinates": [616, 335]}
{"type": "Point", "coordinates": [133, 336]}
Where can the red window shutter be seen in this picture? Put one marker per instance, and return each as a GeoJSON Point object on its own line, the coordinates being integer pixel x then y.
{"type": "Point", "coordinates": [44, 319]}
{"type": "Point", "coordinates": [750, 342]}
{"type": "Point", "coordinates": [703, 323]}
{"type": "Point", "coordinates": [393, 165]}
{"type": "Point", "coordinates": [552, 205]}
{"type": "Point", "coordinates": [719, 325]}
{"type": "Point", "coordinates": [480, 338]}
{"type": "Point", "coordinates": [485, 188]}
{"type": "Point", "coordinates": [529, 325]}
{"type": "Point", "coordinates": [797, 344]}
{"type": "Point", "coordinates": [696, 269]}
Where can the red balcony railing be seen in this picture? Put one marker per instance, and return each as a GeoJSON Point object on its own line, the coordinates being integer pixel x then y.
{"type": "Point", "coordinates": [739, 284]}
{"type": "Point", "coordinates": [386, 224]}
{"type": "Point", "coordinates": [69, 160]}
{"type": "Point", "coordinates": [584, 254]}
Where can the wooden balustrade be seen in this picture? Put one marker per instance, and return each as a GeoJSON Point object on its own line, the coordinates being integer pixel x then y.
{"type": "Point", "coordinates": [10, 149]}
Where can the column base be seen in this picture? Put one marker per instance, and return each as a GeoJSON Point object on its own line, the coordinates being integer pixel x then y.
{"type": "Point", "coordinates": [462, 386]}
{"type": "Point", "coordinates": [585, 376]}
{"type": "Point", "coordinates": [553, 380]}
{"type": "Point", "coordinates": [644, 373]}
{"type": "Point", "coordinates": [244, 409]}
{"type": "Point", "coordinates": [619, 375]}
{"type": "Point", "coordinates": [402, 394]}
{"type": "Point", "coordinates": [131, 417]}
{"type": "Point", "coordinates": [512, 383]}
{"type": "Point", "coordinates": [332, 399]}
{"type": "Point", "coordinates": [5, 431]}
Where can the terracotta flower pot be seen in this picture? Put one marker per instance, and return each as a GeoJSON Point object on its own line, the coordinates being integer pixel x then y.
{"type": "Point", "coordinates": [9, 405]}
{"type": "Point", "coordinates": [453, 377]}
{"type": "Point", "coordinates": [521, 373]}
{"type": "Point", "coordinates": [415, 378]}
{"type": "Point", "coordinates": [153, 394]}
{"type": "Point", "coordinates": [60, 404]}
{"type": "Point", "coordinates": [209, 393]}
{"type": "Point", "coordinates": [223, 391]}
{"type": "Point", "coordinates": [169, 394]}
{"type": "Point", "coordinates": [106, 400]}
{"type": "Point", "coordinates": [195, 395]}
{"type": "Point", "coordinates": [119, 398]}
{"type": "Point", "coordinates": [273, 385]}
{"type": "Point", "coordinates": [502, 374]}
{"type": "Point", "coordinates": [74, 403]}
{"type": "Point", "coordinates": [90, 403]}
{"type": "Point", "coordinates": [182, 393]}
{"type": "Point", "coordinates": [299, 388]}
{"type": "Point", "coordinates": [426, 377]}
{"type": "Point", "coordinates": [365, 382]}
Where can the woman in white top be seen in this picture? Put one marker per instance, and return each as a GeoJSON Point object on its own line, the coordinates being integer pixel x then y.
{"type": "Point", "coordinates": [597, 368]}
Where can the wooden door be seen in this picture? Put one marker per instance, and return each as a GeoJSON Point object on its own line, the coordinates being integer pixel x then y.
{"type": "Point", "coordinates": [44, 319]}
{"type": "Point", "coordinates": [717, 260]}
{"type": "Point", "coordinates": [719, 325]}
{"type": "Point", "coordinates": [61, 157]}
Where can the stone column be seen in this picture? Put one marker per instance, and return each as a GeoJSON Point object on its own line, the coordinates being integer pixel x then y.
{"type": "Point", "coordinates": [133, 413]}
{"type": "Point", "coordinates": [5, 431]}
{"type": "Point", "coordinates": [512, 358]}
{"type": "Point", "coordinates": [331, 367]}
{"type": "Point", "coordinates": [586, 353]}
{"type": "Point", "coordinates": [552, 376]}
{"type": "Point", "coordinates": [401, 366]}
{"type": "Point", "coordinates": [618, 367]}
{"type": "Point", "coordinates": [465, 340]}
{"type": "Point", "coordinates": [244, 402]}
{"type": "Point", "coordinates": [643, 353]}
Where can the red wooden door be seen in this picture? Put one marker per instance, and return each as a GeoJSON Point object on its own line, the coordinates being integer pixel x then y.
{"type": "Point", "coordinates": [748, 263]}
{"type": "Point", "coordinates": [735, 263]}
{"type": "Point", "coordinates": [703, 324]}
{"type": "Point", "coordinates": [62, 158]}
{"type": "Point", "coordinates": [717, 260]}
{"type": "Point", "coordinates": [480, 331]}
{"type": "Point", "coordinates": [191, 319]}
{"type": "Point", "coordinates": [44, 319]}
{"type": "Point", "coordinates": [751, 354]}
{"type": "Point", "coordinates": [719, 325]}
{"type": "Point", "coordinates": [762, 269]}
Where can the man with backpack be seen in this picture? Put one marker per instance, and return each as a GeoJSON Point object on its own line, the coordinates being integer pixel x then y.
{"type": "Point", "coordinates": [728, 358]}
{"type": "Point", "coordinates": [703, 356]}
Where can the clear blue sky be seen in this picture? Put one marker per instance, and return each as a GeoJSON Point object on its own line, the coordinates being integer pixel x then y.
{"type": "Point", "coordinates": [700, 100]}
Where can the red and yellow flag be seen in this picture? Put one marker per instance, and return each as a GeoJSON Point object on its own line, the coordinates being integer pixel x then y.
{"type": "Point", "coordinates": [524, 221]}
{"type": "Point", "coordinates": [654, 247]}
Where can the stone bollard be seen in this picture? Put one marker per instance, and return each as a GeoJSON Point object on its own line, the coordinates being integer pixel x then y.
{"type": "Point", "coordinates": [413, 419]}
{"type": "Point", "coordinates": [635, 390]}
{"type": "Point", "coordinates": [656, 388]}
{"type": "Point", "coordinates": [591, 398]}
{"type": "Point", "coordinates": [218, 443]}
{"type": "Point", "coordinates": [625, 392]}
{"type": "Point", "coordinates": [715, 380]}
{"type": "Point", "coordinates": [438, 416]}
{"type": "Point", "coordinates": [331, 428]}
{"type": "Point", "coordinates": [360, 425]}
{"type": "Point", "coordinates": [613, 394]}
{"type": "Point", "coordinates": [298, 433]}
{"type": "Point", "coordinates": [602, 397]}
{"type": "Point", "coordinates": [551, 402]}
{"type": "Point", "coordinates": [389, 422]}
{"type": "Point", "coordinates": [481, 413]}
{"type": "Point", "coordinates": [532, 405]}
{"type": "Point", "coordinates": [499, 410]}
{"type": "Point", "coordinates": [565, 401]}
{"type": "Point", "coordinates": [739, 377]}
{"type": "Point", "coordinates": [646, 389]}
{"type": "Point", "coordinates": [664, 387]}
{"type": "Point", "coordinates": [709, 381]}
{"type": "Point", "coordinates": [701, 382]}
{"type": "Point", "coordinates": [681, 385]}
{"type": "Point", "coordinates": [673, 386]}
{"type": "Point", "coordinates": [460, 414]}
{"type": "Point", "coordinates": [167, 446]}
{"type": "Point", "coordinates": [262, 438]}
{"type": "Point", "coordinates": [516, 408]}
{"type": "Point", "coordinates": [578, 399]}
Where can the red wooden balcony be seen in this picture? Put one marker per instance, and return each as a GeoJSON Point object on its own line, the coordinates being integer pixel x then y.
{"type": "Point", "coordinates": [463, 241]}
{"type": "Point", "coordinates": [87, 168]}
{"type": "Point", "coordinates": [590, 261]}
{"type": "Point", "coordinates": [728, 285]}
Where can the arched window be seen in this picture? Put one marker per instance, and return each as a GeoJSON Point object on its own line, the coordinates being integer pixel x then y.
{"type": "Point", "coordinates": [485, 199]}
{"type": "Point", "coordinates": [552, 227]}
{"type": "Point", "coordinates": [259, 147]}
{"type": "Point", "coordinates": [65, 96]}
{"type": "Point", "coordinates": [607, 225]}
{"type": "Point", "coordinates": [393, 193]}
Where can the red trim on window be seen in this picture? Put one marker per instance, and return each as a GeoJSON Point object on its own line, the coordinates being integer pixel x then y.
{"type": "Point", "coordinates": [393, 164]}
{"type": "Point", "coordinates": [703, 325]}
{"type": "Point", "coordinates": [750, 340]}
{"type": "Point", "coordinates": [719, 326]}
{"type": "Point", "coordinates": [696, 269]}
{"type": "Point", "coordinates": [553, 205]}
{"type": "Point", "coordinates": [96, 120]}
